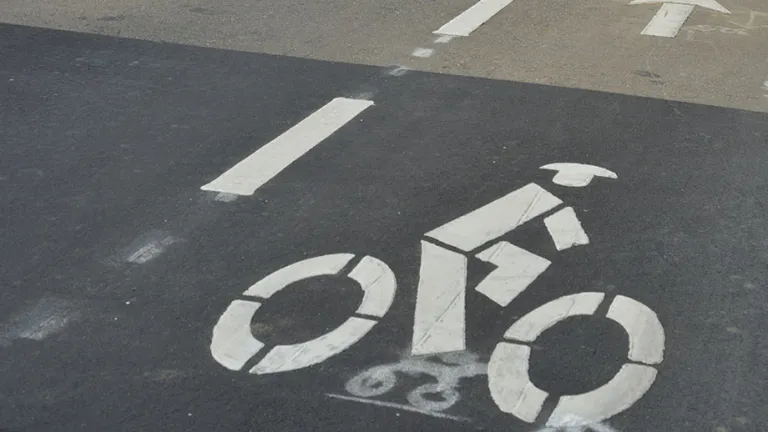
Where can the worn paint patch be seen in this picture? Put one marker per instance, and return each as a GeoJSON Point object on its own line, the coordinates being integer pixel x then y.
{"type": "Point", "coordinates": [440, 393]}
{"type": "Point", "coordinates": [48, 316]}
{"type": "Point", "coordinates": [146, 247]}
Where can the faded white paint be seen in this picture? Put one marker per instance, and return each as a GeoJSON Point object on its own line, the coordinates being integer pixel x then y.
{"type": "Point", "coordinates": [398, 406]}
{"type": "Point", "coordinates": [495, 219]}
{"type": "Point", "coordinates": [516, 270]}
{"type": "Point", "coordinates": [423, 52]}
{"type": "Point", "coordinates": [310, 267]}
{"type": "Point", "coordinates": [448, 371]}
{"type": "Point", "coordinates": [225, 197]}
{"type": "Point", "coordinates": [284, 358]}
{"type": "Point", "coordinates": [398, 71]}
{"type": "Point", "coordinates": [576, 174]}
{"type": "Point", "coordinates": [147, 247]}
{"type": "Point", "coordinates": [565, 229]}
{"type": "Point", "coordinates": [439, 318]}
{"type": "Point", "coordinates": [509, 382]}
{"type": "Point", "coordinates": [444, 39]}
{"type": "Point", "coordinates": [529, 327]}
{"type": "Point", "coordinates": [472, 18]}
{"type": "Point", "coordinates": [672, 15]}
{"type": "Point", "coordinates": [233, 344]}
{"type": "Point", "coordinates": [572, 423]}
{"type": "Point", "coordinates": [646, 334]}
{"type": "Point", "coordinates": [48, 316]}
{"type": "Point", "coordinates": [629, 385]}
{"type": "Point", "coordinates": [266, 162]}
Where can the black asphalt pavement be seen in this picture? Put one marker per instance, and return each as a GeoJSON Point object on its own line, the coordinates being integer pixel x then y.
{"type": "Point", "coordinates": [116, 266]}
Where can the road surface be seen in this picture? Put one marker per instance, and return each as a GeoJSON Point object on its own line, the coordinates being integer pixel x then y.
{"type": "Point", "coordinates": [317, 217]}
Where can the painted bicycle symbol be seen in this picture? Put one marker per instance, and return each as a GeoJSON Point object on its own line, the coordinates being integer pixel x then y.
{"type": "Point", "coordinates": [439, 319]}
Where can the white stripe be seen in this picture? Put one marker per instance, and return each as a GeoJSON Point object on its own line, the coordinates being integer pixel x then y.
{"type": "Point", "coordinates": [668, 20]}
{"type": "Point", "coordinates": [265, 163]}
{"type": "Point", "coordinates": [472, 18]}
{"type": "Point", "coordinates": [439, 318]}
{"type": "Point", "coordinates": [398, 406]}
{"type": "Point", "coordinates": [516, 269]}
{"type": "Point", "coordinates": [495, 219]}
{"type": "Point", "coordinates": [565, 229]}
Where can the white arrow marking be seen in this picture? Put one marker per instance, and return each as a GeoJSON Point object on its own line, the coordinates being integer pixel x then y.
{"type": "Point", "coordinates": [672, 15]}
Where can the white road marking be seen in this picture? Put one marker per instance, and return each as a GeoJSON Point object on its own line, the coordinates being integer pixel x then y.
{"type": "Point", "coordinates": [440, 310]}
{"type": "Point", "coordinates": [708, 4]}
{"type": "Point", "coordinates": [615, 396]}
{"type": "Point", "coordinates": [379, 284]}
{"type": "Point", "coordinates": [398, 71]}
{"type": "Point", "coordinates": [423, 52]}
{"type": "Point", "coordinates": [668, 20]}
{"type": "Point", "coordinates": [265, 163]}
{"type": "Point", "coordinates": [146, 247]}
{"type": "Point", "coordinates": [433, 396]}
{"type": "Point", "coordinates": [317, 266]}
{"type": "Point", "coordinates": [565, 229]}
{"type": "Point", "coordinates": [225, 197]}
{"type": "Point", "coordinates": [284, 358]}
{"type": "Point", "coordinates": [233, 344]}
{"type": "Point", "coordinates": [646, 334]}
{"type": "Point", "coordinates": [472, 18]}
{"type": "Point", "coordinates": [48, 316]}
{"type": "Point", "coordinates": [516, 270]}
{"type": "Point", "coordinates": [572, 423]}
{"type": "Point", "coordinates": [495, 219]}
{"type": "Point", "coordinates": [444, 39]}
{"type": "Point", "coordinates": [398, 406]}
{"type": "Point", "coordinates": [150, 250]}
{"type": "Point", "coordinates": [510, 386]}
{"type": "Point", "coordinates": [576, 174]}
{"type": "Point", "coordinates": [671, 16]}
{"type": "Point", "coordinates": [529, 327]}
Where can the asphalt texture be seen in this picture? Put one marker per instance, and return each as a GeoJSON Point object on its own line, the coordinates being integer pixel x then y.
{"type": "Point", "coordinates": [106, 143]}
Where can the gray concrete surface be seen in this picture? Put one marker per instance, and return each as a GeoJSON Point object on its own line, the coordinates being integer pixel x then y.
{"type": "Point", "coordinates": [716, 59]}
